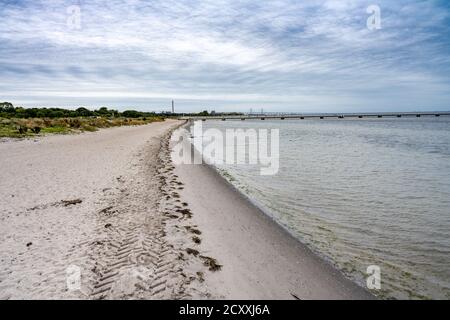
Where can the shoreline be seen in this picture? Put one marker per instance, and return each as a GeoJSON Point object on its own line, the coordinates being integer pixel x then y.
{"type": "Point", "coordinates": [111, 206]}
{"type": "Point", "coordinates": [236, 229]}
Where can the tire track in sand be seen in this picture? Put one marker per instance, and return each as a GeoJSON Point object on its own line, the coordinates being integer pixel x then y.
{"type": "Point", "coordinates": [132, 255]}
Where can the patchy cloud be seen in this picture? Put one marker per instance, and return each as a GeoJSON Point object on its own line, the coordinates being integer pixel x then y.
{"type": "Point", "coordinates": [226, 55]}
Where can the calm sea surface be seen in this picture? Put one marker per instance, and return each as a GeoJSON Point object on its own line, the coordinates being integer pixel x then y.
{"type": "Point", "coordinates": [362, 192]}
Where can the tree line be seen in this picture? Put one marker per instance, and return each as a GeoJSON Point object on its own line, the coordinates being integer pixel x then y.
{"type": "Point", "coordinates": [7, 110]}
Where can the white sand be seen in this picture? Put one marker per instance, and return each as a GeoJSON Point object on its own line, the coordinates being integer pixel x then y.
{"type": "Point", "coordinates": [117, 234]}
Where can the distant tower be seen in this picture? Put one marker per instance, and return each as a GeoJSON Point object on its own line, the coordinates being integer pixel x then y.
{"type": "Point", "coordinates": [173, 107]}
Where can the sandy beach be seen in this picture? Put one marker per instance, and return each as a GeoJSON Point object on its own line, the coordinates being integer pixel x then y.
{"type": "Point", "coordinates": [111, 206]}
{"type": "Point", "coordinates": [91, 201]}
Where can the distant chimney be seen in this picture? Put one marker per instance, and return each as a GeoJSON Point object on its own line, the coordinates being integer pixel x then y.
{"type": "Point", "coordinates": [173, 107]}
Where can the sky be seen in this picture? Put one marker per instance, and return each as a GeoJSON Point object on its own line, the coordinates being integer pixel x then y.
{"type": "Point", "coordinates": [279, 55]}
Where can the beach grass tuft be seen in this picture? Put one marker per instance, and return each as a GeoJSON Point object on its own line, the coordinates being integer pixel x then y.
{"type": "Point", "coordinates": [12, 126]}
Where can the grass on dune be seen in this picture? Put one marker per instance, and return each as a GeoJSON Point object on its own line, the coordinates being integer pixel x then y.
{"type": "Point", "coordinates": [20, 128]}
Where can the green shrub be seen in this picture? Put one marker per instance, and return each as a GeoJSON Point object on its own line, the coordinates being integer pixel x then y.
{"type": "Point", "coordinates": [24, 126]}
{"type": "Point", "coordinates": [75, 123]}
{"type": "Point", "coordinates": [54, 129]}
{"type": "Point", "coordinates": [89, 128]}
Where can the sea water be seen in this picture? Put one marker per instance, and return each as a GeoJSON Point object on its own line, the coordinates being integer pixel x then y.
{"type": "Point", "coordinates": [360, 193]}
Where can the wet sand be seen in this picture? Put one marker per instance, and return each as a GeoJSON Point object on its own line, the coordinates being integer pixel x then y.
{"type": "Point", "coordinates": [260, 259]}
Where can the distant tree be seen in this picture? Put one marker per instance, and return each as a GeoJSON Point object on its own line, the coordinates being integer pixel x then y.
{"type": "Point", "coordinates": [20, 112]}
{"type": "Point", "coordinates": [56, 114]}
{"type": "Point", "coordinates": [83, 112]}
{"type": "Point", "coordinates": [103, 111]}
{"type": "Point", "coordinates": [31, 113]}
{"type": "Point", "coordinates": [204, 113]}
{"type": "Point", "coordinates": [7, 107]}
{"type": "Point", "coordinates": [7, 110]}
{"type": "Point", "coordinates": [131, 114]}
{"type": "Point", "coordinates": [42, 113]}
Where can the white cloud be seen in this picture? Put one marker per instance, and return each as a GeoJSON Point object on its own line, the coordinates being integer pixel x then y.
{"type": "Point", "coordinates": [281, 54]}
